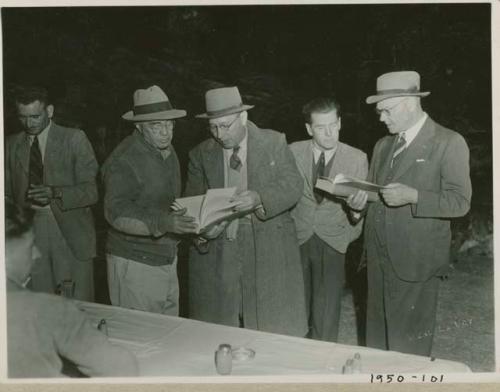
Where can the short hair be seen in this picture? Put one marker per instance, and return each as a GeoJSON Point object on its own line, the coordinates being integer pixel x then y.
{"type": "Point", "coordinates": [320, 105]}
{"type": "Point", "coordinates": [28, 94]}
{"type": "Point", "coordinates": [18, 220]}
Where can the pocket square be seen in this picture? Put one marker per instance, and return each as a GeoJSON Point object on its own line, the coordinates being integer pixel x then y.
{"type": "Point", "coordinates": [420, 160]}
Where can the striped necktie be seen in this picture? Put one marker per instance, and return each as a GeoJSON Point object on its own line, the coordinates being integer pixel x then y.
{"type": "Point", "coordinates": [399, 147]}
{"type": "Point", "coordinates": [36, 163]}
{"type": "Point", "coordinates": [235, 161]}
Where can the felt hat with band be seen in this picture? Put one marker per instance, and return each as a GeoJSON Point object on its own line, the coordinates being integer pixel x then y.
{"type": "Point", "coordinates": [152, 104]}
{"type": "Point", "coordinates": [397, 84]}
{"type": "Point", "coordinates": [222, 102]}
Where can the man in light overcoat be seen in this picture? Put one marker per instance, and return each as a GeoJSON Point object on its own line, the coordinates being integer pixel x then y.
{"type": "Point", "coordinates": [247, 272]}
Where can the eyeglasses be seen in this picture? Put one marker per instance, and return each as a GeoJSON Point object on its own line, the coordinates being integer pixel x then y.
{"type": "Point", "coordinates": [159, 126]}
{"type": "Point", "coordinates": [222, 127]}
{"type": "Point", "coordinates": [387, 111]}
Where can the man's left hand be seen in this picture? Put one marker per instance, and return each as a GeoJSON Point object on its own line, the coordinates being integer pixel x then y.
{"type": "Point", "coordinates": [246, 200]}
{"type": "Point", "coordinates": [40, 194]}
{"type": "Point", "coordinates": [396, 195]}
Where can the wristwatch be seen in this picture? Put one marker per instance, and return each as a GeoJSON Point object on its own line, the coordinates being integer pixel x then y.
{"type": "Point", "coordinates": [56, 192]}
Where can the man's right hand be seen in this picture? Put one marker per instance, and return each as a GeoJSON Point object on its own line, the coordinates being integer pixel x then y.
{"type": "Point", "coordinates": [214, 231]}
{"type": "Point", "coordinates": [178, 223]}
{"type": "Point", "coordinates": [357, 201]}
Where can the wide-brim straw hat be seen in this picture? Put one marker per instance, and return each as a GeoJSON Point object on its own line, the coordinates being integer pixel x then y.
{"type": "Point", "coordinates": [152, 104]}
{"type": "Point", "coordinates": [222, 102]}
{"type": "Point", "coordinates": [397, 84]}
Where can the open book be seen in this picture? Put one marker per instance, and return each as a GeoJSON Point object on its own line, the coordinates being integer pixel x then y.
{"type": "Point", "coordinates": [345, 186]}
{"type": "Point", "coordinates": [209, 209]}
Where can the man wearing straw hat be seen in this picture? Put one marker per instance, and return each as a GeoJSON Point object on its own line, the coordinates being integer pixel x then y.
{"type": "Point", "coordinates": [142, 179]}
{"type": "Point", "coordinates": [425, 168]}
{"type": "Point", "coordinates": [247, 272]}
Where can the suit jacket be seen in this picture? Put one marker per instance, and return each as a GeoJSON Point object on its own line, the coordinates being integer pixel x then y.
{"type": "Point", "coordinates": [329, 219]}
{"type": "Point", "coordinates": [70, 165]}
{"type": "Point", "coordinates": [418, 236]}
{"type": "Point", "coordinates": [272, 173]}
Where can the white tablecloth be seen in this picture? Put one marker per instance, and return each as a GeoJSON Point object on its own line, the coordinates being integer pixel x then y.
{"type": "Point", "coordinates": [173, 346]}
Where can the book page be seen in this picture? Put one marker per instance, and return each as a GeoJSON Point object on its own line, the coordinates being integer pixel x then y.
{"type": "Point", "coordinates": [356, 183]}
{"type": "Point", "coordinates": [216, 200]}
{"type": "Point", "coordinates": [193, 205]}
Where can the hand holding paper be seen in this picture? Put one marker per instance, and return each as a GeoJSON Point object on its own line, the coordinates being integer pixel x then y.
{"type": "Point", "coordinates": [396, 195]}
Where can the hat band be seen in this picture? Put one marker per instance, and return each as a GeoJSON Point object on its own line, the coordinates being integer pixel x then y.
{"type": "Point", "coordinates": [222, 111]}
{"type": "Point", "coordinates": [398, 91]}
{"type": "Point", "coordinates": [152, 107]}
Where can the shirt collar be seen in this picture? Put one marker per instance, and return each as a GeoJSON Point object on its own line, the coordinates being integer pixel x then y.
{"type": "Point", "coordinates": [328, 153]}
{"type": "Point", "coordinates": [412, 132]}
{"type": "Point", "coordinates": [242, 152]}
{"type": "Point", "coordinates": [42, 136]}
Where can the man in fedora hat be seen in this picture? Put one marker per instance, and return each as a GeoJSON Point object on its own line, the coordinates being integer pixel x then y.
{"type": "Point", "coordinates": [425, 170]}
{"type": "Point", "coordinates": [141, 180]}
{"type": "Point", "coordinates": [247, 272]}
{"type": "Point", "coordinates": [52, 170]}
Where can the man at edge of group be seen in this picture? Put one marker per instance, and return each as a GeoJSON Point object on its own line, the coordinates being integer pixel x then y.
{"type": "Point", "coordinates": [324, 227]}
{"type": "Point", "coordinates": [247, 273]}
{"type": "Point", "coordinates": [425, 170]}
{"type": "Point", "coordinates": [52, 170]}
{"type": "Point", "coordinates": [42, 329]}
{"type": "Point", "coordinates": [142, 179]}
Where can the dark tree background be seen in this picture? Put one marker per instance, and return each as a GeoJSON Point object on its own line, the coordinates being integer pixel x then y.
{"type": "Point", "coordinates": [93, 58]}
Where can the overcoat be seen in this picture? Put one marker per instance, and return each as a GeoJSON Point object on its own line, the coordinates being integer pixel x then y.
{"type": "Point", "coordinates": [418, 235]}
{"type": "Point", "coordinates": [272, 173]}
{"type": "Point", "coordinates": [69, 163]}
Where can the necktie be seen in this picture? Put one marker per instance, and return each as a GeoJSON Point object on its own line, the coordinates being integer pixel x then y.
{"type": "Point", "coordinates": [36, 163]}
{"type": "Point", "coordinates": [320, 172]}
{"type": "Point", "coordinates": [235, 161]}
{"type": "Point", "coordinates": [398, 148]}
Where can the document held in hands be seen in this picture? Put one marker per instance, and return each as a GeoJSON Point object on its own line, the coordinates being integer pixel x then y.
{"type": "Point", "coordinates": [344, 186]}
{"type": "Point", "coordinates": [211, 208]}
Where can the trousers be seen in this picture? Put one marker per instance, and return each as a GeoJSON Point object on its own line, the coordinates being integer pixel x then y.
{"type": "Point", "coordinates": [57, 262]}
{"type": "Point", "coordinates": [139, 286]}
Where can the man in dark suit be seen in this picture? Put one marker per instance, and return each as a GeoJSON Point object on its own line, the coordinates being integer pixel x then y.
{"type": "Point", "coordinates": [323, 226]}
{"type": "Point", "coordinates": [52, 169]}
{"type": "Point", "coordinates": [425, 168]}
{"type": "Point", "coordinates": [247, 272]}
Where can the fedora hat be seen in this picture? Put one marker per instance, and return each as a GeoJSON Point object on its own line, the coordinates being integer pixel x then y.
{"type": "Point", "coordinates": [152, 104]}
{"type": "Point", "coordinates": [223, 101]}
{"type": "Point", "coordinates": [397, 84]}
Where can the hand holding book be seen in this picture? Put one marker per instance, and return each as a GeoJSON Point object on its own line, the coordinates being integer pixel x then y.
{"type": "Point", "coordinates": [344, 186]}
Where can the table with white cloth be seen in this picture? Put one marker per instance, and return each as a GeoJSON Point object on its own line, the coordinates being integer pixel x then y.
{"type": "Point", "coordinates": [174, 346]}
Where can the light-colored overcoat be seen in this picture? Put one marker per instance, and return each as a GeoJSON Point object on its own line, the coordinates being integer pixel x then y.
{"type": "Point", "coordinates": [272, 173]}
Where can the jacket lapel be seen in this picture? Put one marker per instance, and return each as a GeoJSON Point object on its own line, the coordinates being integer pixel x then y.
{"type": "Point", "coordinates": [255, 155]}
{"type": "Point", "coordinates": [340, 159]}
{"type": "Point", "coordinates": [23, 153]}
{"type": "Point", "coordinates": [214, 164]}
{"type": "Point", "coordinates": [305, 162]}
{"type": "Point", "coordinates": [386, 152]}
{"type": "Point", "coordinates": [418, 148]}
{"type": "Point", "coordinates": [52, 150]}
